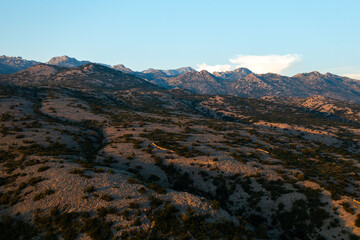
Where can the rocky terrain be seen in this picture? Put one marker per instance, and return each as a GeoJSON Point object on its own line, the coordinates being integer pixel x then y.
{"type": "Point", "coordinates": [94, 153]}
{"type": "Point", "coordinates": [14, 64]}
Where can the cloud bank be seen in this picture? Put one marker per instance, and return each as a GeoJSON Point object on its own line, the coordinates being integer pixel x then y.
{"type": "Point", "coordinates": [353, 75]}
{"type": "Point", "coordinates": [256, 63]}
{"type": "Point", "coordinates": [266, 64]}
{"type": "Point", "coordinates": [214, 68]}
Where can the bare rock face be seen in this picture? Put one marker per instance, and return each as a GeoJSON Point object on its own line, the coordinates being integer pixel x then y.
{"type": "Point", "coordinates": [65, 61]}
{"type": "Point", "coordinates": [122, 68]}
{"type": "Point", "coordinates": [14, 64]}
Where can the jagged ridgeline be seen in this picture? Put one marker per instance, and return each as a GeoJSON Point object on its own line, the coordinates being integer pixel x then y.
{"type": "Point", "coordinates": [91, 152]}
{"type": "Point", "coordinates": [91, 76]}
{"type": "Point", "coordinates": [240, 82]}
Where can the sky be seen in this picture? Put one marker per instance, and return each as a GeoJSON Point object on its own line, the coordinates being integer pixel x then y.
{"type": "Point", "coordinates": [280, 36]}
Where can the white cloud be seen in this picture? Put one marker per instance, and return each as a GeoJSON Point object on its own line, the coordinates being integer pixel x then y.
{"type": "Point", "coordinates": [267, 63]}
{"type": "Point", "coordinates": [214, 68]}
{"type": "Point", "coordinates": [353, 75]}
{"type": "Point", "coordinates": [256, 63]}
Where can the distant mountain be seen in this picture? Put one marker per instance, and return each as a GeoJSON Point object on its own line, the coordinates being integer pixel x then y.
{"type": "Point", "coordinates": [65, 61]}
{"type": "Point", "coordinates": [14, 64]}
{"type": "Point", "coordinates": [242, 82]}
{"type": "Point", "coordinates": [201, 82]}
{"type": "Point", "coordinates": [300, 85]}
{"type": "Point", "coordinates": [233, 75]}
{"type": "Point", "coordinates": [170, 72]}
{"type": "Point", "coordinates": [159, 77]}
{"type": "Point", "coordinates": [92, 76]}
{"type": "Point", "coordinates": [179, 71]}
{"type": "Point", "coordinates": [121, 67]}
{"type": "Point", "coordinates": [259, 85]}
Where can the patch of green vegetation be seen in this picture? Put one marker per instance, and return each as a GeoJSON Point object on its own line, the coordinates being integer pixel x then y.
{"type": "Point", "coordinates": [43, 194]}
{"type": "Point", "coordinates": [80, 172]}
{"type": "Point", "coordinates": [103, 211]}
{"type": "Point", "coordinates": [170, 141]}
{"type": "Point", "coordinates": [305, 217]}
{"type": "Point", "coordinates": [13, 229]}
{"type": "Point", "coordinates": [169, 224]}
{"type": "Point", "coordinates": [357, 221]}
{"type": "Point", "coordinates": [347, 207]}
{"type": "Point", "coordinates": [68, 225]}
{"type": "Point", "coordinates": [106, 197]}
{"type": "Point", "coordinates": [35, 180]}
{"type": "Point", "coordinates": [89, 189]}
{"type": "Point", "coordinates": [54, 149]}
{"type": "Point", "coordinates": [43, 168]}
{"type": "Point", "coordinates": [332, 174]}
{"type": "Point", "coordinates": [275, 188]}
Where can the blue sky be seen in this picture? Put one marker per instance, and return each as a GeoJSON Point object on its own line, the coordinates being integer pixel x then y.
{"type": "Point", "coordinates": [281, 36]}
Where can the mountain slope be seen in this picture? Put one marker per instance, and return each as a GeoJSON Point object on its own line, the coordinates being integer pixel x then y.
{"type": "Point", "coordinates": [65, 61]}
{"type": "Point", "coordinates": [341, 109]}
{"type": "Point", "coordinates": [170, 72]}
{"type": "Point", "coordinates": [233, 75]}
{"type": "Point", "coordinates": [14, 64]}
{"type": "Point", "coordinates": [201, 82]}
{"type": "Point", "coordinates": [121, 67]}
{"type": "Point", "coordinates": [241, 82]}
{"type": "Point", "coordinates": [91, 76]}
{"type": "Point", "coordinates": [159, 77]}
{"type": "Point", "coordinates": [74, 166]}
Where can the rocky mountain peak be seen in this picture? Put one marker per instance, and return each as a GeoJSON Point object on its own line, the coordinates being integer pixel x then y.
{"type": "Point", "coordinates": [204, 72]}
{"type": "Point", "coordinates": [242, 70]}
{"type": "Point", "coordinates": [122, 68]}
{"type": "Point", "coordinates": [66, 61]}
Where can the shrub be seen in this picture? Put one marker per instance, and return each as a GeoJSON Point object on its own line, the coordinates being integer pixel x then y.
{"type": "Point", "coordinates": [357, 221]}
{"type": "Point", "coordinates": [35, 180]}
{"type": "Point", "coordinates": [141, 190]}
{"type": "Point", "coordinates": [154, 201]}
{"type": "Point", "coordinates": [134, 205]}
{"type": "Point", "coordinates": [126, 214]}
{"type": "Point", "coordinates": [43, 194]}
{"type": "Point", "coordinates": [10, 228]}
{"type": "Point", "coordinates": [89, 189]}
{"type": "Point", "coordinates": [347, 207]}
{"type": "Point", "coordinates": [103, 211]}
{"type": "Point", "coordinates": [64, 225]}
{"type": "Point", "coordinates": [76, 171]}
{"type": "Point", "coordinates": [215, 205]}
{"type": "Point", "coordinates": [153, 178]}
{"type": "Point", "coordinates": [43, 168]}
{"type": "Point", "coordinates": [137, 222]}
{"type": "Point", "coordinates": [106, 197]}
{"type": "Point", "coordinates": [157, 188]}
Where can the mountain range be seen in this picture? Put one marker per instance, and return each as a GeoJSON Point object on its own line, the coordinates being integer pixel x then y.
{"type": "Point", "coordinates": [14, 64]}
{"type": "Point", "coordinates": [240, 82]}
{"type": "Point", "coordinates": [90, 75]}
